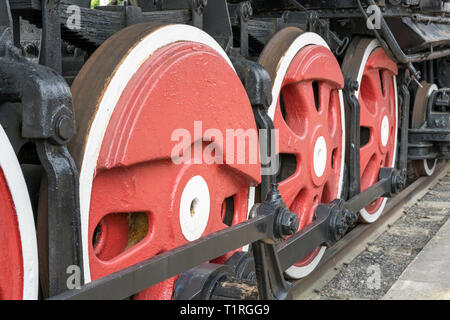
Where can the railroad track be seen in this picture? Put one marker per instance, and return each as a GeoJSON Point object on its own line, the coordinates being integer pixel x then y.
{"type": "Point", "coordinates": [363, 235]}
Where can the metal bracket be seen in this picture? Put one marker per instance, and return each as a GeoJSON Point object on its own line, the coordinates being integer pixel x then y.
{"type": "Point", "coordinates": [132, 14]}
{"type": "Point", "coordinates": [257, 83]}
{"type": "Point", "coordinates": [197, 7]}
{"type": "Point", "coordinates": [47, 120]}
{"type": "Point", "coordinates": [268, 270]}
{"type": "Point", "coordinates": [354, 150]}
{"type": "Point", "coordinates": [331, 223]}
{"type": "Point", "coordinates": [217, 23]}
{"type": "Point", "coordinates": [199, 282]}
{"type": "Point", "coordinates": [403, 159]}
{"type": "Point", "coordinates": [51, 55]}
{"type": "Point", "coordinates": [242, 12]}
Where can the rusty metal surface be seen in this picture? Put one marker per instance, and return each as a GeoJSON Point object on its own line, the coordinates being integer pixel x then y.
{"type": "Point", "coordinates": [88, 88]}
{"type": "Point", "coordinates": [277, 47]}
{"type": "Point", "coordinates": [418, 35]}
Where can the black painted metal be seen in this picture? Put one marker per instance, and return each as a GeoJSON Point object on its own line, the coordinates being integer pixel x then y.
{"type": "Point", "coordinates": [216, 21]}
{"type": "Point", "coordinates": [384, 187]}
{"type": "Point", "coordinates": [47, 120]}
{"type": "Point", "coordinates": [257, 82]}
{"type": "Point", "coordinates": [331, 223]}
{"type": "Point", "coordinates": [432, 139]}
{"type": "Point", "coordinates": [51, 55]}
{"type": "Point", "coordinates": [354, 181]}
{"type": "Point", "coordinates": [81, 3]}
{"type": "Point", "coordinates": [197, 7]}
{"type": "Point", "coordinates": [6, 20]}
{"type": "Point", "coordinates": [242, 12]}
{"type": "Point", "coordinates": [198, 283]}
{"type": "Point", "coordinates": [242, 264]}
{"type": "Point", "coordinates": [389, 43]}
{"type": "Point", "coordinates": [129, 281]}
{"type": "Point", "coordinates": [268, 270]}
{"type": "Point", "coordinates": [404, 125]}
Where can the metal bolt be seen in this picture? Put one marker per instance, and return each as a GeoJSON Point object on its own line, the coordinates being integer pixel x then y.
{"type": "Point", "coordinates": [289, 222]}
{"type": "Point", "coordinates": [274, 195]}
{"type": "Point", "coordinates": [353, 85]}
{"type": "Point", "coordinates": [65, 127]}
{"type": "Point", "coordinates": [31, 49]}
{"type": "Point", "coordinates": [70, 49]}
{"type": "Point", "coordinates": [399, 182]}
{"type": "Point", "coordinates": [246, 10]}
{"type": "Point", "coordinates": [341, 227]}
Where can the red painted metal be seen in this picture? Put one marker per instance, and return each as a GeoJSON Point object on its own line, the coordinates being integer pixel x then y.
{"type": "Point", "coordinates": [301, 125]}
{"type": "Point", "coordinates": [11, 260]}
{"type": "Point", "coordinates": [179, 84]}
{"type": "Point", "coordinates": [377, 100]}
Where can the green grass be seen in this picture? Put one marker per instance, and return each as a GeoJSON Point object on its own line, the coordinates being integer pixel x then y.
{"type": "Point", "coordinates": [95, 3]}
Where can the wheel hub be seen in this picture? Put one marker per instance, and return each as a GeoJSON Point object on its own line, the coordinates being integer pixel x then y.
{"type": "Point", "coordinates": [384, 131]}
{"type": "Point", "coordinates": [320, 156]}
{"type": "Point", "coordinates": [194, 208]}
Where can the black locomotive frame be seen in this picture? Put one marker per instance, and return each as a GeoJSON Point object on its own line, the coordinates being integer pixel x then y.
{"type": "Point", "coordinates": [39, 110]}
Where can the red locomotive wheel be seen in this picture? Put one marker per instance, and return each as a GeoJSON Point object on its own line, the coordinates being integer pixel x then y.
{"type": "Point", "coordinates": [308, 112]}
{"type": "Point", "coordinates": [140, 94]}
{"type": "Point", "coordinates": [368, 63]}
{"type": "Point", "coordinates": [18, 246]}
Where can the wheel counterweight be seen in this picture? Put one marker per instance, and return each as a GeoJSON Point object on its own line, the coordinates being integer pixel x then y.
{"type": "Point", "coordinates": [157, 110]}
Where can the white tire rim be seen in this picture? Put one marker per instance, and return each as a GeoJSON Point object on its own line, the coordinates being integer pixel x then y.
{"type": "Point", "coordinates": [153, 41]}
{"type": "Point", "coordinates": [19, 193]}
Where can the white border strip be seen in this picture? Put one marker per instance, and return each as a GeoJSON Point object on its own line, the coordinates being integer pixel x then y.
{"type": "Point", "coordinates": [19, 193]}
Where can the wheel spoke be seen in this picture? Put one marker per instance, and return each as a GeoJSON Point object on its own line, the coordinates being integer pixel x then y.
{"type": "Point", "coordinates": [300, 97]}
{"type": "Point", "coordinates": [290, 187]}
{"type": "Point", "coordinates": [373, 81]}
{"type": "Point", "coordinates": [307, 216]}
{"type": "Point", "coordinates": [368, 119]}
{"type": "Point", "coordinates": [308, 116]}
{"type": "Point", "coordinates": [325, 89]}
{"type": "Point", "coordinates": [367, 153]}
{"type": "Point", "coordinates": [290, 141]}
